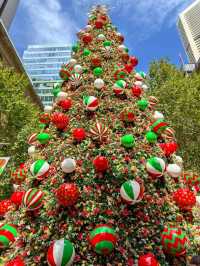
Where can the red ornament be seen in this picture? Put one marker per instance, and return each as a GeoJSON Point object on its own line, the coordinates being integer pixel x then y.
{"type": "Point", "coordinates": [101, 164]}
{"type": "Point", "coordinates": [87, 38]}
{"type": "Point", "coordinates": [5, 206]}
{"type": "Point", "coordinates": [169, 148]}
{"type": "Point", "coordinates": [125, 57]}
{"type": "Point", "coordinates": [129, 68]}
{"type": "Point", "coordinates": [184, 198]}
{"type": "Point", "coordinates": [98, 24]}
{"type": "Point", "coordinates": [190, 179]}
{"type": "Point", "coordinates": [65, 104]}
{"type": "Point", "coordinates": [44, 118]}
{"type": "Point", "coordinates": [127, 115]}
{"type": "Point", "coordinates": [79, 134]}
{"type": "Point", "coordinates": [147, 260]}
{"type": "Point", "coordinates": [20, 174]}
{"type": "Point", "coordinates": [60, 120]}
{"type": "Point", "coordinates": [96, 61]}
{"type": "Point", "coordinates": [133, 60]}
{"type": "Point", "coordinates": [137, 91]}
{"type": "Point", "coordinates": [16, 262]}
{"type": "Point", "coordinates": [120, 38]}
{"type": "Point", "coordinates": [17, 197]}
{"type": "Point", "coordinates": [67, 194]}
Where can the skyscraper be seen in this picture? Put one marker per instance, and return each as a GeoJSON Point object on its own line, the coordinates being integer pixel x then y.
{"type": "Point", "coordinates": [189, 28]}
{"type": "Point", "coordinates": [7, 11]}
{"type": "Point", "coordinates": [43, 63]}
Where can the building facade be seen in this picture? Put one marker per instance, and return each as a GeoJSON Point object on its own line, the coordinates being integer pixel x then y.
{"type": "Point", "coordinates": [189, 29]}
{"type": "Point", "coordinates": [7, 11]}
{"type": "Point", "coordinates": [42, 63]}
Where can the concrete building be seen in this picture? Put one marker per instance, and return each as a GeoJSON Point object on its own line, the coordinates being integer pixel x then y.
{"type": "Point", "coordinates": [42, 63]}
{"type": "Point", "coordinates": [189, 29]}
{"type": "Point", "coordinates": [7, 11]}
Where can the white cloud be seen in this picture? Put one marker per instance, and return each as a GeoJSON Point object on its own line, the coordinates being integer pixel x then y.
{"type": "Point", "coordinates": [49, 23]}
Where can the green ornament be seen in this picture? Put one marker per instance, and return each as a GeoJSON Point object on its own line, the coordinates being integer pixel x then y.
{"type": "Point", "coordinates": [56, 90]}
{"type": "Point", "coordinates": [43, 138]}
{"type": "Point", "coordinates": [107, 43]}
{"type": "Point", "coordinates": [151, 137]}
{"type": "Point", "coordinates": [42, 125]}
{"type": "Point", "coordinates": [86, 52]}
{"type": "Point", "coordinates": [98, 71]}
{"type": "Point", "coordinates": [75, 47]}
{"type": "Point", "coordinates": [142, 104]}
{"type": "Point", "coordinates": [128, 141]}
{"type": "Point", "coordinates": [126, 50]}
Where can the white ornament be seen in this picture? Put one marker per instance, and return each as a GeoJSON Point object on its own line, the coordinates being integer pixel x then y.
{"type": "Point", "coordinates": [99, 83]}
{"type": "Point", "coordinates": [48, 109]}
{"type": "Point", "coordinates": [178, 160]}
{"type": "Point", "coordinates": [61, 96]}
{"type": "Point", "coordinates": [157, 115]}
{"type": "Point", "coordinates": [88, 28]}
{"type": "Point", "coordinates": [31, 150]}
{"type": "Point", "coordinates": [68, 165]}
{"type": "Point", "coordinates": [138, 83]}
{"type": "Point", "coordinates": [174, 170]}
{"type": "Point", "coordinates": [78, 69]}
{"type": "Point", "coordinates": [101, 37]}
{"type": "Point", "coordinates": [121, 47]}
{"type": "Point", "coordinates": [72, 62]}
{"type": "Point", "coordinates": [15, 187]}
{"type": "Point", "coordinates": [145, 87]}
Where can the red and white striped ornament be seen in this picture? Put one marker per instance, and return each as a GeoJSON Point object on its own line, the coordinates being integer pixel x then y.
{"type": "Point", "coordinates": [32, 139]}
{"type": "Point", "coordinates": [152, 101]}
{"type": "Point", "coordinates": [33, 199]}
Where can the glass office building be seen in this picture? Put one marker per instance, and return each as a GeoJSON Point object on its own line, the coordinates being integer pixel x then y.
{"type": "Point", "coordinates": [42, 63]}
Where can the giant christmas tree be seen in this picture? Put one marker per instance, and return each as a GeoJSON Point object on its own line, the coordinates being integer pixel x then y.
{"type": "Point", "coordinates": [103, 185]}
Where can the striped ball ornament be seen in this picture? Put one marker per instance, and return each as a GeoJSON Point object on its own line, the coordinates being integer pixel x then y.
{"type": "Point", "coordinates": [159, 126]}
{"type": "Point", "coordinates": [32, 139]}
{"type": "Point", "coordinates": [76, 79]}
{"type": "Point", "coordinates": [20, 174]}
{"type": "Point", "coordinates": [119, 87]}
{"type": "Point", "coordinates": [103, 239]}
{"type": "Point", "coordinates": [91, 103]}
{"type": "Point", "coordinates": [131, 192]}
{"type": "Point", "coordinates": [33, 199]}
{"type": "Point", "coordinates": [155, 166]}
{"type": "Point", "coordinates": [40, 168]}
{"type": "Point", "coordinates": [61, 253]}
{"type": "Point", "coordinates": [174, 241]}
{"type": "Point", "coordinates": [8, 233]}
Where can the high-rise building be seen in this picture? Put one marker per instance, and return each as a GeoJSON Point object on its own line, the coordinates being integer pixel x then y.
{"type": "Point", "coordinates": [43, 63]}
{"type": "Point", "coordinates": [189, 28]}
{"type": "Point", "coordinates": [7, 11]}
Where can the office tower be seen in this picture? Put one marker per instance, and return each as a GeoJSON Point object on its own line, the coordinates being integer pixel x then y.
{"type": "Point", "coordinates": [189, 29]}
{"type": "Point", "coordinates": [43, 63]}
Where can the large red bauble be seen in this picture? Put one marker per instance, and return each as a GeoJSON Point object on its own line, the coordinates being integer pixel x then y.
{"type": "Point", "coordinates": [5, 206]}
{"type": "Point", "coordinates": [129, 68]}
{"type": "Point", "coordinates": [16, 262]}
{"type": "Point", "coordinates": [65, 104]}
{"type": "Point", "coordinates": [96, 61]}
{"type": "Point", "coordinates": [98, 24]}
{"type": "Point", "coordinates": [136, 91]}
{"type": "Point", "coordinates": [67, 194]}
{"type": "Point", "coordinates": [133, 60]}
{"type": "Point", "coordinates": [184, 198]}
{"type": "Point", "coordinates": [101, 164]}
{"type": "Point", "coordinates": [169, 148]}
{"type": "Point", "coordinates": [60, 120]}
{"type": "Point", "coordinates": [147, 260]}
{"type": "Point", "coordinates": [87, 38]}
{"type": "Point", "coordinates": [44, 118]}
{"type": "Point", "coordinates": [17, 197]}
{"type": "Point", "coordinates": [79, 134]}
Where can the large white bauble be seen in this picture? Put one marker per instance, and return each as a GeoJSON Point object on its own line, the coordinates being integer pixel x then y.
{"type": "Point", "coordinates": [61, 96]}
{"type": "Point", "coordinates": [88, 27]}
{"type": "Point", "coordinates": [138, 83]}
{"type": "Point", "coordinates": [121, 47]}
{"type": "Point", "coordinates": [31, 150]}
{"type": "Point", "coordinates": [68, 165]}
{"type": "Point", "coordinates": [101, 37]}
{"type": "Point", "coordinates": [48, 109]}
{"type": "Point", "coordinates": [174, 170]}
{"type": "Point", "coordinates": [99, 83]}
{"type": "Point", "coordinates": [72, 62]}
{"type": "Point", "coordinates": [157, 115]}
{"type": "Point", "coordinates": [178, 160]}
{"type": "Point", "coordinates": [78, 69]}
{"type": "Point", "coordinates": [145, 87]}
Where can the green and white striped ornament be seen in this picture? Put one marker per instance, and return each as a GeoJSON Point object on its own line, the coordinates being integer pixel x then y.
{"type": "Point", "coordinates": [61, 253]}
{"type": "Point", "coordinates": [155, 166]}
{"type": "Point", "coordinates": [8, 233]}
{"type": "Point", "coordinates": [158, 126]}
{"type": "Point", "coordinates": [76, 79]}
{"type": "Point", "coordinates": [131, 192]}
{"type": "Point", "coordinates": [33, 199]}
{"type": "Point", "coordinates": [39, 168]}
{"type": "Point", "coordinates": [91, 103]}
{"type": "Point", "coordinates": [103, 239]}
{"type": "Point", "coordinates": [119, 87]}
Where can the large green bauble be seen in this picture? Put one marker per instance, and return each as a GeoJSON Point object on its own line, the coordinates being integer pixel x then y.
{"type": "Point", "coordinates": [151, 137]}
{"type": "Point", "coordinates": [75, 47]}
{"type": "Point", "coordinates": [107, 43]}
{"type": "Point", "coordinates": [128, 141]}
{"type": "Point", "coordinates": [98, 71]}
{"type": "Point", "coordinates": [43, 138]}
{"type": "Point", "coordinates": [142, 104]}
{"type": "Point", "coordinates": [86, 52]}
{"type": "Point", "coordinates": [56, 90]}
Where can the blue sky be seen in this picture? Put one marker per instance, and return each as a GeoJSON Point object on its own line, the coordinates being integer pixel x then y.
{"type": "Point", "coordinates": [149, 26]}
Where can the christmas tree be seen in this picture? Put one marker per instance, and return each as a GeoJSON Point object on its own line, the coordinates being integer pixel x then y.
{"type": "Point", "coordinates": [103, 185]}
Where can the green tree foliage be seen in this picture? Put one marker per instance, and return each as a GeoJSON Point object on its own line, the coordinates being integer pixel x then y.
{"type": "Point", "coordinates": [17, 114]}
{"type": "Point", "coordinates": [179, 97]}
